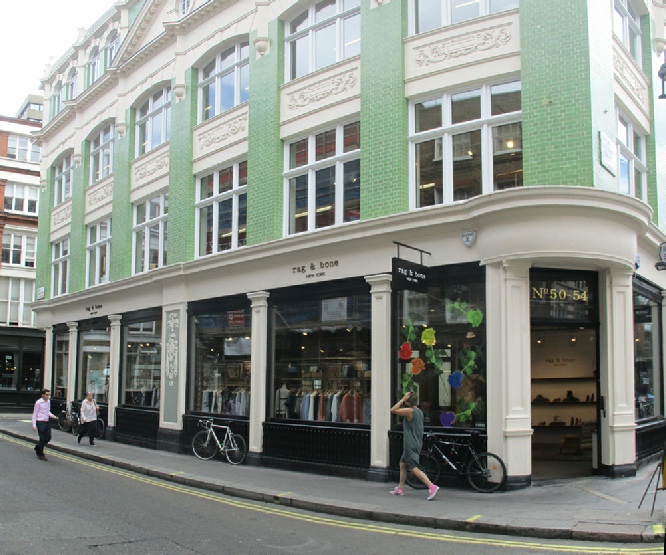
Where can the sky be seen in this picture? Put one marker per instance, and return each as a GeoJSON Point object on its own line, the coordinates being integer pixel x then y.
{"type": "Point", "coordinates": [31, 33]}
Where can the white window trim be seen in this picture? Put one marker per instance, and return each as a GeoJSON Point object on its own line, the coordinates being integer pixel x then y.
{"type": "Point", "coordinates": [310, 169]}
{"type": "Point", "coordinates": [236, 67]}
{"type": "Point", "coordinates": [310, 30]}
{"type": "Point", "coordinates": [104, 145]}
{"type": "Point", "coordinates": [485, 124]}
{"type": "Point", "coordinates": [60, 261]}
{"type": "Point", "coordinates": [144, 227]}
{"type": "Point", "coordinates": [636, 163]}
{"type": "Point", "coordinates": [95, 66]}
{"type": "Point", "coordinates": [22, 237]}
{"type": "Point", "coordinates": [629, 24]}
{"type": "Point", "coordinates": [30, 149]}
{"type": "Point", "coordinates": [234, 194]}
{"type": "Point", "coordinates": [61, 194]}
{"type": "Point", "coordinates": [484, 9]}
{"type": "Point", "coordinates": [96, 249]}
{"type": "Point", "coordinates": [30, 192]}
{"type": "Point", "coordinates": [147, 120]}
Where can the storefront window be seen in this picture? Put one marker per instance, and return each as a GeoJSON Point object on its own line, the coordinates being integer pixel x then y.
{"type": "Point", "coordinates": [9, 363]}
{"type": "Point", "coordinates": [143, 366]}
{"type": "Point", "coordinates": [60, 365]}
{"type": "Point", "coordinates": [647, 390]}
{"type": "Point", "coordinates": [322, 366]}
{"type": "Point", "coordinates": [93, 372]}
{"type": "Point", "coordinates": [21, 363]}
{"type": "Point", "coordinates": [31, 363]}
{"type": "Point", "coordinates": [441, 348]}
{"type": "Point", "coordinates": [222, 364]}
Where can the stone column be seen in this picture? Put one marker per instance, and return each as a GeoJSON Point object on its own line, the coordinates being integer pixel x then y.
{"type": "Point", "coordinates": [618, 424]}
{"type": "Point", "coordinates": [72, 358]}
{"type": "Point", "coordinates": [114, 384]}
{"type": "Point", "coordinates": [508, 371]}
{"type": "Point", "coordinates": [380, 290]}
{"type": "Point", "coordinates": [259, 375]}
{"type": "Point", "coordinates": [47, 376]}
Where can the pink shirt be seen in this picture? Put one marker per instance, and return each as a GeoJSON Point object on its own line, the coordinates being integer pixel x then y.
{"type": "Point", "coordinates": [42, 411]}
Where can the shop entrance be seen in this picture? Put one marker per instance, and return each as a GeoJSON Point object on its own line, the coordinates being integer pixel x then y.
{"type": "Point", "coordinates": [564, 397]}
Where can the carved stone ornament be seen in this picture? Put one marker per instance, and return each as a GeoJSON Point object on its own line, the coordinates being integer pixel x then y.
{"type": "Point", "coordinates": [319, 91]}
{"type": "Point", "coordinates": [468, 238]}
{"type": "Point", "coordinates": [151, 167]}
{"type": "Point", "coordinates": [100, 194]}
{"type": "Point", "coordinates": [463, 45]}
{"type": "Point", "coordinates": [222, 132]}
{"type": "Point", "coordinates": [173, 323]}
{"type": "Point", "coordinates": [62, 216]}
{"type": "Point", "coordinates": [628, 78]}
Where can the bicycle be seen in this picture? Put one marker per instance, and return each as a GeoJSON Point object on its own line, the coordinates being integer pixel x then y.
{"type": "Point", "coordinates": [484, 471]}
{"type": "Point", "coordinates": [68, 419]}
{"type": "Point", "coordinates": [206, 444]}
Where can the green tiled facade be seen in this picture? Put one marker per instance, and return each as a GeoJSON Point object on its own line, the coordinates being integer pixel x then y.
{"type": "Point", "coordinates": [558, 143]}
{"type": "Point", "coordinates": [44, 254]}
{"type": "Point", "coordinates": [384, 170]}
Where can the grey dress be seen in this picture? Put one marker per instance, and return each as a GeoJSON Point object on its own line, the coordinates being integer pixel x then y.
{"type": "Point", "coordinates": [412, 439]}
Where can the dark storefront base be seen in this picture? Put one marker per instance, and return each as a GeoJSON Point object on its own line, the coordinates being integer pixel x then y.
{"type": "Point", "coordinates": [137, 426]}
{"type": "Point", "coordinates": [18, 401]}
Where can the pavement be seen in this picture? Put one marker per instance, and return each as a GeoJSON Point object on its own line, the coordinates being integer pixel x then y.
{"type": "Point", "coordinates": [592, 508]}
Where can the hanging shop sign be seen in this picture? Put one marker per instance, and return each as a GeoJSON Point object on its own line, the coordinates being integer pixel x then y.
{"type": "Point", "coordinates": [409, 276]}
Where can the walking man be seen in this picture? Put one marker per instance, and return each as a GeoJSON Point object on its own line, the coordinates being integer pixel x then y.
{"type": "Point", "coordinates": [412, 443]}
{"type": "Point", "coordinates": [41, 423]}
{"type": "Point", "coordinates": [88, 414]}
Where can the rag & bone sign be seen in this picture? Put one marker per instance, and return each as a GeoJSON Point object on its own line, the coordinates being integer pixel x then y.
{"type": "Point", "coordinates": [315, 269]}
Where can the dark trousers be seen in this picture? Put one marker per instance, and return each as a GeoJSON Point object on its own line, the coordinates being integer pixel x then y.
{"type": "Point", "coordinates": [44, 431]}
{"type": "Point", "coordinates": [88, 428]}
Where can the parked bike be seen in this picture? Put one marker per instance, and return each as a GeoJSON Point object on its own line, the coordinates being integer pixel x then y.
{"type": "Point", "coordinates": [206, 444]}
{"type": "Point", "coordinates": [484, 471]}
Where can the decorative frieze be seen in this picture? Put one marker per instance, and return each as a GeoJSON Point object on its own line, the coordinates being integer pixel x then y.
{"type": "Point", "coordinates": [636, 86]}
{"type": "Point", "coordinates": [222, 132]}
{"type": "Point", "coordinates": [99, 195]}
{"type": "Point", "coordinates": [63, 215]}
{"type": "Point", "coordinates": [323, 89]}
{"type": "Point", "coordinates": [463, 45]}
{"type": "Point", "coordinates": [172, 346]}
{"type": "Point", "coordinates": [148, 169]}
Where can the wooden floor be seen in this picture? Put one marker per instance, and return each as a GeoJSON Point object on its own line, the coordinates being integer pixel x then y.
{"type": "Point", "coordinates": [549, 464]}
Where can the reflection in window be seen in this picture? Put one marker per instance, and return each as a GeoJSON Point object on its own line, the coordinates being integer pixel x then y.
{"type": "Point", "coordinates": [150, 233]}
{"type": "Point", "coordinates": [153, 124]}
{"type": "Point", "coordinates": [224, 82]}
{"type": "Point", "coordinates": [426, 15]}
{"type": "Point", "coordinates": [142, 342]}
{"type": "Point", "coordinates": [647, 355]}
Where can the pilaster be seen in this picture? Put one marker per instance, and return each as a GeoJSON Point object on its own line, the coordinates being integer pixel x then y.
{"type": "Point", "coordinates": [258, 379]}
{"type": "Point", "coordinates": [48, 358]}
{"type": "Point", "coordinates": [71, 360]}
{"type": "Point", "coordinates": [114, 366]}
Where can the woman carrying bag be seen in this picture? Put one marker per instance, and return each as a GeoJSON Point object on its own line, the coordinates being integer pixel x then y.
{"type": "Point", "coordinates": [88, 415]}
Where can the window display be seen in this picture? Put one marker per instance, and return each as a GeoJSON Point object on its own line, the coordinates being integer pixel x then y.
{"type": "Point", "coordinates": [322, 359]}
{"type": "Point", "coordinates": [647, 310]}
{"type": "Point", "coordinates": [441, 347]}
{"type": "Point", "coordinates": [143, 363]}
{"type": "Point", "coordinates": [93, 372]}
{"type": "Point", "coordinates": [222, 363]}
{"type": "Point", "coordinates": [60, 365]}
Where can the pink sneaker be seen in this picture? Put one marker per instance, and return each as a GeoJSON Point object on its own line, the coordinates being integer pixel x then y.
{"type": "Point", "coordinates": [433, 491]}
{"type": "Point", "coordinates": [397, 490]}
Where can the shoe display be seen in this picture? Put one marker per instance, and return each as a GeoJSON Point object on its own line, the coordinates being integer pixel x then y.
{"type": "Point", "coordinates": [397, 491]}
{"type": "Point", "coordinates": [433, 491]}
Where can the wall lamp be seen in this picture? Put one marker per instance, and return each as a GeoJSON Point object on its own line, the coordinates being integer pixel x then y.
{"type": "Point", "coordinates": [662, 75]}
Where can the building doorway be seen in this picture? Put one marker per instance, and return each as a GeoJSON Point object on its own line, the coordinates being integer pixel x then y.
{"type": "Point", "coordinates": [565, 393]}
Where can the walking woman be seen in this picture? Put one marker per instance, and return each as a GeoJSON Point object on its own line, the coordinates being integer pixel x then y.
{"type": "Point", "coordinates": [412, 443]}
{"type": "Point", "coordinates": [88, 414]}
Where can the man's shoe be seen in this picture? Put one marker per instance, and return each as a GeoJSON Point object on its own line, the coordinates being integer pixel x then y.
{"type": "Point", "coordinates": [79, 439]}
{"type": "Point", "coordinates": [92, 443]}
{"type": "Point", "coordinates": [42, 457]}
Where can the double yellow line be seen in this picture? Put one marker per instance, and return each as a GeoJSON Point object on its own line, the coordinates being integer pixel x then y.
{"type": "Point", "coordinates": [351, 525]}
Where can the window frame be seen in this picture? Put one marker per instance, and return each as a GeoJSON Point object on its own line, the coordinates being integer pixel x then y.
{"type": "Point", "coordinates": [338, 161]}
{"type": "Point", "coordinates": [145, 123]}
{"type": "Point", "coordinates": [60, 252]}
{"type": "Point", "coordinates": [20, 295]}
{"type": "Point", "coordinates": [634, 157]}
{"type": "Point", "coordinates": [30, 194]}
{"type": "Point", "coordinates": [309, 32]}
{"type": "Point", "coordinates": [141, 230]}
{"type": "Point", "coordinates": [447, 131]}
{"type": "Point", "coordinates": [57, 99]}
{"type": "Point", "coordinates": [95, 66]}
{"type": "Point", "coordinates": [239, 67]}
{"type": "Point", "coordinates": [19, 243]}
{"type": "Point", "coordinates": [104, 136]}
{"type": "Point", "coordinates": [63, 173]}
{"type": "Point", "coordinates": [72, 81]}
{"type": "Point", "coordinates": [485, 7]}
{"type": "Point", "coordinates": [98, 253]}
{"type": "Point", "coordinates": [113, 45]}
{"type": "Point", "coordinates": [237, 194]}
{"type": "Point", "coordinates": [630, 34]}
{"type": "Point", "coordinates": [17, 144]}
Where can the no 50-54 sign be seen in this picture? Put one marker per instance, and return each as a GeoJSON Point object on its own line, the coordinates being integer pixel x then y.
{"type": "Point", "coordinates": [559, 294]}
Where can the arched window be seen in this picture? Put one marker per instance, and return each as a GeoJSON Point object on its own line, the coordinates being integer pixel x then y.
{"type": "Point", "coordinates": [72, 84]}
{"type": "Point", "coordinates": [153, 121]}
{"type": "Point", "coordinates": [57, 99]}
{"type": "Point", "coordinates": [224, 82]}
{"type": "Point", "coordinates": [101, 154]}
{"type": "Point", "coordinates": [184, 7]}
{"type": "Point", "coordinates": [62, 177]}
{"type": "Point", "coordinates": [112, 48]}
{"type": "Point", "coordinates": [327, 32]}
{"type": "Point", "coordinates": [95, 66]}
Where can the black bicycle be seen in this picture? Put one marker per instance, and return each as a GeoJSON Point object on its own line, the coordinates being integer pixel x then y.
{"type": "Point", "coordinates": [68, 419]}
{"type": "Point", "coordinates": [484, 471]}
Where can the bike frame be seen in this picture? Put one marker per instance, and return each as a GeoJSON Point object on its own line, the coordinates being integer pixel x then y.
{"type": "Point", "coordinates": [209, 425]}
{"type": "Point", "coordinates": [469, 451]}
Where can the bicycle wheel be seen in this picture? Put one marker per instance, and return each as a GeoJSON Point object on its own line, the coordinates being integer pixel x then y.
{"type": "Point", "coordinates": [75, 426]}
{"type": "Point", "coordinates": [430, 467]}
{"type": "Point", "coordinates": [236, 449]}
{"type": "Point", "coordinates": [100, 428]}
{"type": "Point", "coordinates": [63, 423]}
{"type": "Point", "coordinates": [204, 445]}
{"type": "Point", "coordinates": [486, 473]}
